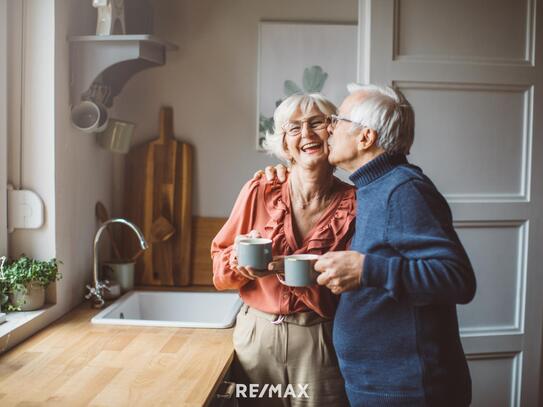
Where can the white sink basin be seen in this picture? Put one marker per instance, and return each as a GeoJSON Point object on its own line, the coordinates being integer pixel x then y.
{"type": "Point", "coordinates": [173, 309]}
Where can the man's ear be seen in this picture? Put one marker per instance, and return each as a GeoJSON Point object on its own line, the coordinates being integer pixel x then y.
{"type": "Point", "coordinates": [366, 138]}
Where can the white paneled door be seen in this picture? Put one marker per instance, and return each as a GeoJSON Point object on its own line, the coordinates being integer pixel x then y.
{"type": "Point", "coordinates": [471, 70]}
{"type": "Point", "coordinates": [3, 127]}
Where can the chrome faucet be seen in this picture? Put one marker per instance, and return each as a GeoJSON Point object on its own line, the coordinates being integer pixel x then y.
{"type": "Point", "coordinates": [97, 292]}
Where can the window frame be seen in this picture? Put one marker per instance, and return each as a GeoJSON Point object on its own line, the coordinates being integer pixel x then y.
{"type": "Point", "coordinates": [3, 127]}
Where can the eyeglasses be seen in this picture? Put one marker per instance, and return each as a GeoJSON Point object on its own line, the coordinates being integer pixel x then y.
{"type": "Point", "coordinates": [335, 119]}
{"type": "Point", "coordinates": [316, 123]}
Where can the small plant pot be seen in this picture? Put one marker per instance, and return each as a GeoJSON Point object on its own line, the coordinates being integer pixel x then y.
{"type": "Point", "coordinates": [32, 299]}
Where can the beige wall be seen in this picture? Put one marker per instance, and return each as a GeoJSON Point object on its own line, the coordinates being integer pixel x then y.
{"type": "Point", "coordinates": [82, 169]}
{"type": "Point", "coordinates": [211, 84]}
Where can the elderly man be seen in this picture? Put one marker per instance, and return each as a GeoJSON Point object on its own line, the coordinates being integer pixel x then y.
{"type": "Point", "coordinates": [396, 329]}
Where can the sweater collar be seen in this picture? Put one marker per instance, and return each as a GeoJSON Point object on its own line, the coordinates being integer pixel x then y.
{"type": "Point", "coordinates": [376, 168]}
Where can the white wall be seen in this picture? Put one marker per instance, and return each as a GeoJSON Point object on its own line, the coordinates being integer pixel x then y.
{"type": "Point", "coordinates": [211, 84]}
{"type": "Point", "coordinates": [82, 169]}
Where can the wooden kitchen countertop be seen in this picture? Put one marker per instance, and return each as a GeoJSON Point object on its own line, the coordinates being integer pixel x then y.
{"type": "Point", "coordinates": [73, 363]}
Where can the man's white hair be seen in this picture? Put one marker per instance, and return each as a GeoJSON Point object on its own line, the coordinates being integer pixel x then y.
{"type": "Point", "coordinates": [387, 111]}
{"type": "Point", "coordinates": [274, 142]}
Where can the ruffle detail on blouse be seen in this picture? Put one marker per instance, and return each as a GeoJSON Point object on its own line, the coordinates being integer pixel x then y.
{"type": "Point", "coordinates": [325, 236]}
{"type": "Point", "coordinates": [277, 209]}
{"type": "Point", "coordinates": [338, 225]}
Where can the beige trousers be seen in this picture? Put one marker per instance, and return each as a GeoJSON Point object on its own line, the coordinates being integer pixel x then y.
{"type": "Point", "coordinates": [297, 351]}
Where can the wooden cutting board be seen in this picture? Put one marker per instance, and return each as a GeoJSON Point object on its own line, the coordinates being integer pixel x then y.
{"type": "Point", "coordinates": [158, 192]}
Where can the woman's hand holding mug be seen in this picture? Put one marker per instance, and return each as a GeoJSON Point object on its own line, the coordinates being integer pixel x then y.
{"type": "Point", "coordinates": [246, 271]}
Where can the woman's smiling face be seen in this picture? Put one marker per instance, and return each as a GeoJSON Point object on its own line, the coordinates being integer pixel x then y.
{"type": "Point", "coordinates": [306, 136]}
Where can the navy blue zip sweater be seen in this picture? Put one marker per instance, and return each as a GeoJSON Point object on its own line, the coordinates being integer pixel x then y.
{"type": "Point", "coordinates": [397, 337]}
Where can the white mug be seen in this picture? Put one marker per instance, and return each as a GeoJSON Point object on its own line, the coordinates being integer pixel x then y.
{"type": "Point", "coordinates": [122, 272]}
{"type": "Point", "coordinates": [89, 117]}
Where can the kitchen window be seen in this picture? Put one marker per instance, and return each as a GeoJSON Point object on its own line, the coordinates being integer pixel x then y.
{"type": "Point", "coordinates": [27, 56]}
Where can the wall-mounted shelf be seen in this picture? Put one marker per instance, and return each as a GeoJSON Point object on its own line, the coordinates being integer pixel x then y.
{"type": "Point", "coordinates": [112, 60]}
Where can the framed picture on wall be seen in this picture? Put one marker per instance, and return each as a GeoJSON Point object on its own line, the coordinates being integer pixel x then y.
{"type": "Point", "coordinates": [302, 57]}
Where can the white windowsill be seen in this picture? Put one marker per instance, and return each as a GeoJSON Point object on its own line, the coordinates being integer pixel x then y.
{"type": "Point", "coordinates": [17, 320]}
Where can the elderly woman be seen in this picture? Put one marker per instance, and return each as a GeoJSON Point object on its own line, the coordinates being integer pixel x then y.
{"type": "Point", "coordinates": [283, 334]}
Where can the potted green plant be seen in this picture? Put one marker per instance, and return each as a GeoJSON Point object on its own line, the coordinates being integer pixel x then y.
{"type": "Point", "coordinates": [4, 297]}
{"type": "Point", "coordinates": [4, 288]}
{"type": "Point", "coordinates": [26, 280]}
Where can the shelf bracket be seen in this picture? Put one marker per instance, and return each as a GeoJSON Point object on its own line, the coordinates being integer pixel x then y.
{"type": "Point", "coordinates": [111, 61]}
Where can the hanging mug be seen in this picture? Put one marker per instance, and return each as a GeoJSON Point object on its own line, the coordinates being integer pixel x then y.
{"type": "Point", "coordinates": [89, 117]}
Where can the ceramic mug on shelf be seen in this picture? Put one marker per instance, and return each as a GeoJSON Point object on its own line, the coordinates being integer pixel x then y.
{"type": "Point", "coordinates": [117, 136]}
{"type": "Point", "coordinates": [300, 270]}
{"type": "Point", "coordinates": [89, 117]}
{"type": "Point", "coordinates": [254, 252]}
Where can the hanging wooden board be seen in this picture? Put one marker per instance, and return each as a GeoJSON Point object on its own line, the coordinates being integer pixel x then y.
{"type": "Point", "coordinates": [158, 196]}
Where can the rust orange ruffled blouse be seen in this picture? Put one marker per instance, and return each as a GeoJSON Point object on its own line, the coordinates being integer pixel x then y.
{"type": "Point", "coordinates": [265, 207]}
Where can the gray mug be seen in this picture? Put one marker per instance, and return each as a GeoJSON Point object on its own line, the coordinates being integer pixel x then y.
{"type": "Point", "coordinates": [254, 252]}
{"type": "Point", "coordinates": [300, 270]}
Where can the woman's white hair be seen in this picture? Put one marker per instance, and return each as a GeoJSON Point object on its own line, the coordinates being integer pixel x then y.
{"type": "Point", "coordinates": [387, 111]}
{"type": "Point", "coordinates": [274, 142]}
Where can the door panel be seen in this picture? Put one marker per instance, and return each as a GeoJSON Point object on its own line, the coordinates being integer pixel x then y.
{"type": "Point", "coordinates": [496, 252]}
{"type": "Point", "coordinates": [497, 372]}
{"type": "Point", "coordinates": [466, 121]}
{"type": "Point", "coordinates": [457, 32]}
{"type": "Point", "coordinates": [469, 69]}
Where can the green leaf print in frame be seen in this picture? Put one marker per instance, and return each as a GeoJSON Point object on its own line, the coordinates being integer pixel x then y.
{"type": "Point", "coordinates": [302, 57]}
{"type": "Point", "coordinates": [313, 80]}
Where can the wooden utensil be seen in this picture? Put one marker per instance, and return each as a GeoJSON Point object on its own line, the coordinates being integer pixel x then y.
{"type": "Point", "coordinates": [158, 195]}
{"type": "Point", "coordinates": [161, 230]}
{"type": "Point", "coordinates": [102, 215]}
{"type": "Point", "coordinates": [136, 256]}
